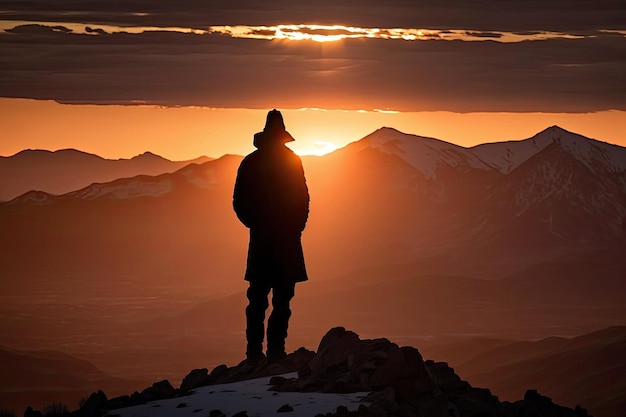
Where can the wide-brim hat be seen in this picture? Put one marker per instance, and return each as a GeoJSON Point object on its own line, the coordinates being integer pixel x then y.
{"type": "Point", "coordinates": [274, 128]}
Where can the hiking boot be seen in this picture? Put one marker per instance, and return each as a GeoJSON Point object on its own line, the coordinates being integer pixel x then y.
{"type": "Point", "coordinates": [254, 358]}
{"type": "Point", "coordinates": [276, 355]}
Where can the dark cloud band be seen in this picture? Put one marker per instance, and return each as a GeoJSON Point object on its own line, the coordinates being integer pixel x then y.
{"type": "Point", "coordinates": [178, 62]}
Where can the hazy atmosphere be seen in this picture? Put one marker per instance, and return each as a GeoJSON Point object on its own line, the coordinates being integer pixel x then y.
{"type": "Point", "coordinates": [465, 165]}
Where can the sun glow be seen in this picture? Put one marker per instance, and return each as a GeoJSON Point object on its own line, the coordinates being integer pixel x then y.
{"type": "Point", "coordinates": [333, 33]}
{"type": "Point", "coordinates": [322, 148]}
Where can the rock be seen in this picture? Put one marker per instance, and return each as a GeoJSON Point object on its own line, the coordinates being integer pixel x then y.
{"type": "Point", "coordinates": [29, 412]}
{"type": "Point", "coordinates": [385, 399]}
{"type": "Point", "coordinates": [435, 406]}
{"type": "Point", "coordinates": [304, 372]}
{"type": "Point", "coordinates": [241, 414]}
{"type": "Point", "coordinates": [388, 362]}
{"type": "Point", "coordinates": [277, 380]}
{"type": "Point", "coordinates": [535, 404]}
{"type": "Point", "coordinates": [298, 361]}
{"type": "Point", "coordinates": [344, 363]}
{"type": "Point", "coordinates": [332, 350]}
{"type": "Point", "coordinates": [219, 371]}
{"type": "Point", "coordinates": [119, 402]}
{"type": "Point", "coordinates": [216, 413]}
{"type": "Point", "coordinates": [445, 376]}
{"type": "Point", "coordinates": [196, 378]}
{"type": "Point", "coordinates": [286, 408]}
{"type": "Point", "coordinates": [415, 370]}
{"type": "Point", "coordinates": [294, 362]}
{"type": "Point", "coordinates": [462, 399]}
{"type": "Point", "coordinates": [342, 410]}
{"type": "Point", "coordinates": [158, 390]}
{"type": "Point", "coordinates": [97, 401]}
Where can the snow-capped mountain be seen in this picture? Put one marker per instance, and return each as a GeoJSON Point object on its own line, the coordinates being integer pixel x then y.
{"type": "Point", "coordinates": [599, 157]}
{"type": "Point", "coordinates": [427, 155]}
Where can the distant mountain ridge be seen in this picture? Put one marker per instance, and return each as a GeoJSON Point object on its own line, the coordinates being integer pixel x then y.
{"type": "Point", "coordinates": [29, 375]}
{"type": "Point", "coordinates": [66, 170]}
{"type": "Point", "coordinates": [586, 369]}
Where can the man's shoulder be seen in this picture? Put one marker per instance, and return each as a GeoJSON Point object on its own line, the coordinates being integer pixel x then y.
{"type": "Point", "coordinates": [277, 155]}
{"type": "Point", "coordinates": [290, 154]}
{"type": "Point", "coordinates": [250, 157]}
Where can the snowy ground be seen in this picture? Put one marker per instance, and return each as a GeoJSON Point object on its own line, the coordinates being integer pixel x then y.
{"type": "Point", "coordinates": [251, 396]}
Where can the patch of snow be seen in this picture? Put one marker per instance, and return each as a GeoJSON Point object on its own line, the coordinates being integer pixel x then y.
{"type": "Point", "coordinates": [38, 198]}
{"type": "Point", "coordinates": [506, 156]}
{"type": "Point", "coordinates": [124, 190]}
{"type": "Point", "coordinates": [425, 154]}
{"type": "Point", "coordinates": [251, 396]}
{"type": "Point", "coordinates": [201, 179]}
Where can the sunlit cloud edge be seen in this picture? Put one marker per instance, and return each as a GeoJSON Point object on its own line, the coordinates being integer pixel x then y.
{"type": "Point", "coordinates": [313, 33]}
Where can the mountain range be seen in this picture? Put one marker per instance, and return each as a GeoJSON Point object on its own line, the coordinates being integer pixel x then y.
{"type": "Point", "coordinates": [411, 238]}
{"type": "Point", "coordinates": [65, 170]}
{"type": "Point", "coordinates": [587, 369]}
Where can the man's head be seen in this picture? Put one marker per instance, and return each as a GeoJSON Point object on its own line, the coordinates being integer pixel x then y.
{"type": "Point", "coordinates": [274, 130]}
{"type": "Point", "coordinates": [274, 122]}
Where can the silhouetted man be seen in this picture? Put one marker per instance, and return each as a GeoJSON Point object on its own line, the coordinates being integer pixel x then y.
{"type": "Point", "coordinates": [271, 199]}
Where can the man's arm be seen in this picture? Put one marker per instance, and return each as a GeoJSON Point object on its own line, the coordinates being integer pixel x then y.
{"type": "Point", "coordinates": [242, 194]}
{"type": "Point", "coordinates": [301, 197]}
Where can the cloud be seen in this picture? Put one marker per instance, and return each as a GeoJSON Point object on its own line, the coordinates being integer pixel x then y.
{"type": "Point", "coordinates": [172, 68]}
{"type": "Point", "coordinates": [520, 15]}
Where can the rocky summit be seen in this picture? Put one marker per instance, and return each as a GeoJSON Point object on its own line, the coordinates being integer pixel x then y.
{"type": "Point", "coordinates": [400, 383]}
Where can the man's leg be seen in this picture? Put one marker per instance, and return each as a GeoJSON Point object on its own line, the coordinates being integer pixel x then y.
{"type": "Point", "coordinates": [255, 317]}
{"type": "Point", "coordinates": [279, 321]}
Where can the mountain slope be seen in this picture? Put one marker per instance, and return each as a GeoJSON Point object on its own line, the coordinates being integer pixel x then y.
{"type": "Point", "coordinates": [588, 370]}
{"type": "Point", "coordinates": [427, 155]}
{"type": "Point", "coordinates": [600, 157]}
{"type": "Point", "coordinates": [67, 170]}
{"type": "Point", "coordinates": [39, 377]}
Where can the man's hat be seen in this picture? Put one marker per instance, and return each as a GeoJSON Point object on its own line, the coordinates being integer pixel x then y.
{"type": "Point", "coordinates": [275, 128]}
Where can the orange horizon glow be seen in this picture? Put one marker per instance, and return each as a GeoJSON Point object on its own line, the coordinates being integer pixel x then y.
{"type": "Point", "coordinates": [184, 133]}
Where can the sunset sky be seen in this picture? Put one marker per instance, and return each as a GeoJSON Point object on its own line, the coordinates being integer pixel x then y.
{"type": "Point", "coordinates": [189, 78]}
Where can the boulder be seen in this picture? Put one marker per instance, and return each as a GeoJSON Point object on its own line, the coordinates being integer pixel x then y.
{"type": "Point", "coordinates": [96, 402]}
{"type": "Point", "coordinates": [535, 404]}
{"type": "Point", "coordinates": [119, 402]}
{"type": "Point", "coordinates": [196, 378]}
{"type": "Point", "coordinates": [29, 412]}
{"type": "Point", "coordinates": [332, 351]}
{"type": "Point", "coordinates": [158, 390]}
{"type": "Point", "coordinates": [345, 363]}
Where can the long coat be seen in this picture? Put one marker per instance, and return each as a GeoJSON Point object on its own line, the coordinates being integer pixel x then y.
{"type": "Point", "coordinates": [271, 198]}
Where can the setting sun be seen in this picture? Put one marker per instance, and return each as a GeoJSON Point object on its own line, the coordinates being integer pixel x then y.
{"type": "Point", "coordinates": [322, 148]}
